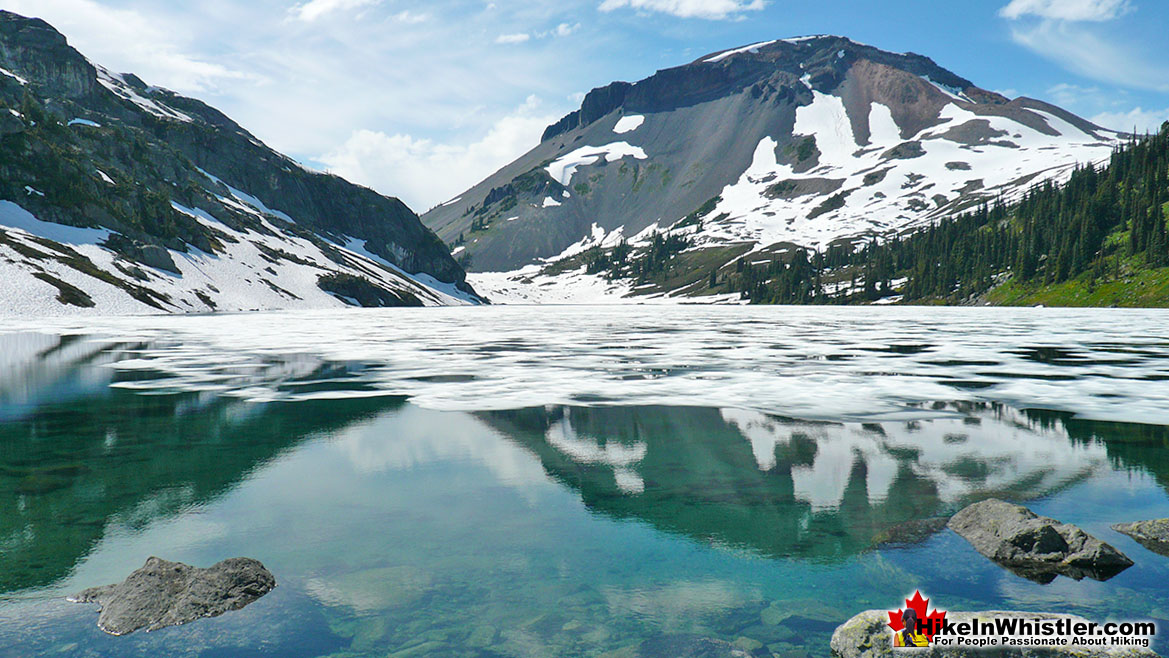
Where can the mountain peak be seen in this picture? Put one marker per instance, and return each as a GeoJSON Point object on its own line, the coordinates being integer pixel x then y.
{"type": "Point", "coordinates": [37, 52]}
{"type": "Point", "coordinates": [821, 62]}
{"type": "Point", "coordinates": [758, 150]}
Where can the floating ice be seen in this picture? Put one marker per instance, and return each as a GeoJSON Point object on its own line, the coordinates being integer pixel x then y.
{"type": "Point", "coordinates": [865, 364]}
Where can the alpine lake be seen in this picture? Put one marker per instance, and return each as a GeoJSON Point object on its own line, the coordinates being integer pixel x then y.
{"type": "Point", "coordinates": [568, 481]}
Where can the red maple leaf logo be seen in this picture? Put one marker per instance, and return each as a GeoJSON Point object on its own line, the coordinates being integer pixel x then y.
{"type": "Point", "coordinates": [931, 622]}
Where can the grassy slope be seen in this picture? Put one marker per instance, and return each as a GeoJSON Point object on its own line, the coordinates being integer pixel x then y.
{"type": "Point", "coordinates": [1145, 288]}
{"type": "Point", "coordinates": [1139, 286]}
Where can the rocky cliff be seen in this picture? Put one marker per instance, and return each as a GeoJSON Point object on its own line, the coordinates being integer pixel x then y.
{"type": "Point", "coordinates": [117, 196]}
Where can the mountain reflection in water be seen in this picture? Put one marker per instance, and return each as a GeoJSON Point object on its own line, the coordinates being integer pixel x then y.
{"type": "Point", "coordinates": [791, 488]}
{"type": "Point", "coordinates": [78, 453]}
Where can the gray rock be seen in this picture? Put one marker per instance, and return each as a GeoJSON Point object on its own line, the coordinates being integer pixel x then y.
{"type": "Point", "coordinates": [1036, 547]}
{"type": "Point", "coordinates": [1153, 535]}
{"type": "Point", "coordinates": [867, 635]}
{"type": "Point", "coordinates": [158, 257]}
{"type": "Point", "coordinates": [910, 533]}
{"type": "Point", "coordinates": [164, 593]}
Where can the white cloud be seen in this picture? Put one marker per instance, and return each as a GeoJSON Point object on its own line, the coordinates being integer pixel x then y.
{"type": "Point", "coordinates": [314, 9]}
{"type": "Point", "coordinates": [513, 38]}
{"type": "Point", "coordinates": [424, 172]}
{"type": "Point", "coordinates": [1067, 10]}
{"type": "Point", "coordinates": [410, 18]}
{"type": "Point", "coordinates": [155, 50]}
{"type": "Point", "coordinates": [1063, 34]}
{"type": "Point", "coordinates": [1068, 95]}
{"type": "Point", "coordinates": [304, 87]}
{"type": "Point", "coordinates": [1084, 52]}
{"type": "Point", "coordinates": [1139, 119]}
{"type": "Point", "coordinates": [708, 9]}
{"type": "Point", "coordinates": [564, 29]}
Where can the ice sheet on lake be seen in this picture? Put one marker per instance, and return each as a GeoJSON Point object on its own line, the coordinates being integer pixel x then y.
{"type": "Point", "coordinates": [843, 364]}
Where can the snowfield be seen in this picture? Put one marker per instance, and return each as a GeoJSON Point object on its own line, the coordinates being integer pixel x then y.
{"type": "Point", "coordinates": [878, 193]}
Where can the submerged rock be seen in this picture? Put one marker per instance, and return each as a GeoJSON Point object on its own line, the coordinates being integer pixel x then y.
{"type": "Point", "coordinates": [1153, 535]}
{"type": "Point", "coordinates": [164, 593]}
{"type": "Point", "coordinates": [910, 533]}
{"type": "Point", "coordinates": [688, 646]}
{"type": "Point", "coordinates": [1036, 547]}
{"type": "Point", "coordinates": [867, 635]}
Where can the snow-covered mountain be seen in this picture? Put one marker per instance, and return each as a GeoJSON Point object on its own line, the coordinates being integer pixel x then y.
{"type": "Point", "coordinates": [119, 197]}
{"type": "Point", "coordinates": [746, 153]}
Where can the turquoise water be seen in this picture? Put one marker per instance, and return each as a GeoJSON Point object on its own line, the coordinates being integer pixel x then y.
{"type": "Point", "coordinates": [396, 525]}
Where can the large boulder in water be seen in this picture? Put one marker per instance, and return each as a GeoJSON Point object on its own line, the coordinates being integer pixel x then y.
{"type": "Point", "coordinates": [164, 593]}
{"type": "Point", "coordinates": [1153, 535]}
{"type": "Point", "coordinates": [868, 635]}
{"type": "Point", "coordinates": [1036, 547]}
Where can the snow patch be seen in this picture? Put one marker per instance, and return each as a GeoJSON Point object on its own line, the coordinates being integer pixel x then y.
{"type": "Point", "coordinates": [248, 199]}
{"type": "Point", "coordinates": [827, 119]}
{"type": "Point", "coordinates": [563, 168]}
{"type": "Point", "coordinates": [549, 202]}
{"type": "Point", "coordinates": [84, 122]}
{"type": "Point", "coordinates": [116, 83]}
{"type": "Point", "coordinates": [13, 216]}
{"type": "Point", "coordinates": [10, 74]}
{"type": "Point", "coordinates": [883, 128]}
{"type": "Point", "coordinates": [753, 48]}
{"type": "Point", "coordinates": [953, 92]}
{"type": "Point", "coordinates": [628, 124]}
{"type": "Point", "coordinates": [811, 37]}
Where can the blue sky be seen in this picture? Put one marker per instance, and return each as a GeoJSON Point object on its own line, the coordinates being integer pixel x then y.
{"type": "Point", "coordinates": [423, 98]}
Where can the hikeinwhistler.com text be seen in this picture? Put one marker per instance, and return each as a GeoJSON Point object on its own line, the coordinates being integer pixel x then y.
{"type": "Point", "coordinates": [1040, 632]}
